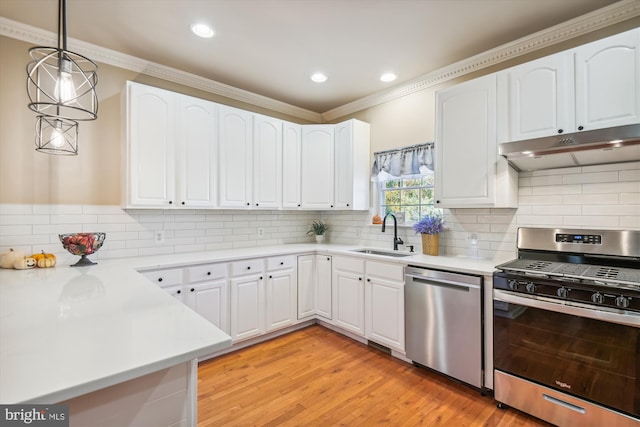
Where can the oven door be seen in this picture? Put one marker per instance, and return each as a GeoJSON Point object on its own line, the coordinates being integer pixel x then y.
{"type": "Point", "coordinates": [584, 352]}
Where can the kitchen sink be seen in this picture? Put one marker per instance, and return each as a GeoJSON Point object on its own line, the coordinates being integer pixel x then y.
{"type": "Point", "coordinates": [383, 253]}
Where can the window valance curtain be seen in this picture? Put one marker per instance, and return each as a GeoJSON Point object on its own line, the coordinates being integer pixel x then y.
{"type": "Point", "coordinates": [406, 161]}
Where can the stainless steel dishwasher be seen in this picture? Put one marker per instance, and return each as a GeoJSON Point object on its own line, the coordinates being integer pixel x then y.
{"type": "Point", "coordinates": [443, 322]}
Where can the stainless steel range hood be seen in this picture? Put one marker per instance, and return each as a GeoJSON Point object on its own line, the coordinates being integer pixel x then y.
{"type": "Point", "coordinates": [601, 146]}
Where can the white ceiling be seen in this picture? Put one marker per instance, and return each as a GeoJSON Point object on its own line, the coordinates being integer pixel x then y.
{"type": "Point", "coordinates": [271, 47]}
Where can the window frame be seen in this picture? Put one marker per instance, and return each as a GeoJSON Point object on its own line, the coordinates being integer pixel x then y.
{"type": "Point", "coordinates": [423, 208]}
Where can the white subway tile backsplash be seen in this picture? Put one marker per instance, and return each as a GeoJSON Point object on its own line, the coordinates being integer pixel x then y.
{"type": "Point", "coordinates": [604, 196]}
{"type": "Point", "coordinates": [611, 187]}
{"type": "Point", "coordinates": [586, 178]}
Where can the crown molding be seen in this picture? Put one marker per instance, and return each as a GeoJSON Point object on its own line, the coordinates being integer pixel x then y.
{"type": "Point", "coordinates": [601, 18]}
{"type": "Point", "coordinates": [40, 37]}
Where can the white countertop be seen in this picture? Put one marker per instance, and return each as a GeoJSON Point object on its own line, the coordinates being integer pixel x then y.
{"type": "Point", "coordinates": [68, 331]}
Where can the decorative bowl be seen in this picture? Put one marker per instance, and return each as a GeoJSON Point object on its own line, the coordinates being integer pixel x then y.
{"type": "Point", "coordinates": [82, 244]}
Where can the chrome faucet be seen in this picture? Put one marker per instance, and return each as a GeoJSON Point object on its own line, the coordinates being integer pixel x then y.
{"type": "Point", "coordinates": [396, 240]}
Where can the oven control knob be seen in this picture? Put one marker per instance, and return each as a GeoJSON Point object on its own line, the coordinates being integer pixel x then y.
{"type": "Point", "coordinates": [513, 284]}
{"type": "Point", "coordinates": [531, 287]}
{"type": "Point", "coordinates": [598, 298]}
{"type": "Point", "coordinates": [562, 292]}
{"type": "Point", "coordinates": [622, 302]}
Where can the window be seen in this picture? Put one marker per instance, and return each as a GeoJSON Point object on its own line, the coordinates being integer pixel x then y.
{"type": "Point", "coordinates": [404, 179]}
{"type": "Point", "coordinates": [412, 195]}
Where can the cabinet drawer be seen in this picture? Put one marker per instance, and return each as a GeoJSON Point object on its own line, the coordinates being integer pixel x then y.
{"type": "Point", "coordinates": [280, 262]}
{"type": "Point", "coordinates": [164, 278]}
{"type": "Point", "coordinates": [383, 270]}
{"type": "Point", "coordinates": [200, 273]}
{"type": "Point", "coordinates": [247, 266]}
{"type": "Point", "coordinates": [355, 265]}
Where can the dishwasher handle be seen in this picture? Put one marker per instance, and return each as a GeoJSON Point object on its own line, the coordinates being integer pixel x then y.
{"type": "Point", "coordinates": [443, 283]}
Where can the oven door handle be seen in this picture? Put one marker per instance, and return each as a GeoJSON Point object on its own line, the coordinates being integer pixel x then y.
{"type": "Point", "coordinates": [620, 317]}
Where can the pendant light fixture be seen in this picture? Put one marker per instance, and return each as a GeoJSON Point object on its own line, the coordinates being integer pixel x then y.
{"type": "Point", "coordinates": [61, 86]}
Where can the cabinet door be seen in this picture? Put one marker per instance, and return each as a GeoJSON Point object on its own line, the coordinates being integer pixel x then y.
{"type": "Point", "coordinates": [384, 312]}
{"type": "Point", "coordinates": [197, 153]}
{"type": "Point", "coordinates": [281, 290]}
{"type": "Point", "coordinates": [247, 307]}
{"type": "Point", "coordinates": [352, 174]}
{"type": "Point", "coordinates": [608, 82]}
{"type": "Point", "coordinates": [538, 98]}
{"type": "Point", "coordinates": [291, 158]}
{"type": "Point", "coordinates": [267, 162]}
{"type": "Point", "coordinates": [306, 285]}
{"type": "Point", "coordinates": [348, 301]}
{"type": "Point", "coordinates": [343, 164]}
{"type": "Point", "coordinates": [235, 158]}
{"type": "Point", "coordinates": [150, 147]}
{"type": "Point", "coordinates": [323, 286]}
{"type": "Point", "coordinates": [210, 300]}
{"type": "Point", "coordinates": [317, 167]}
{"type": "Point", "coordinates": [466, 146]}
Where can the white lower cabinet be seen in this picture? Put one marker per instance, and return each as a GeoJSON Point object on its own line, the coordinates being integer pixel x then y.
{"type": "Point", "coordinates": [368, 300]}
{"type": "Point", "coordinates": [314, 286]}
{"type": "Point", "coordinates": [263, 295]}
{"type": "Point", "coordinates": [323, 289]}
{"type": "Point", "coordinates": [348, 294]}
{"type": "Point", "coordinates": [203, 288]}
{"type": "Point", "coordinates": [247, 299]}
{"type": "Point", "coordinates": [207, 293]}
{"type": "Point", "coordinates": [281, 292]}
{"type": "Point", "coordinates": [384, 304]}
{"type": "Point", "coordinates": [251, 297]}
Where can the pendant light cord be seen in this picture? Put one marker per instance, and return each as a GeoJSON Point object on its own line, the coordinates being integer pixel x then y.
{"type": "Point", "coordinates": [62, 24]}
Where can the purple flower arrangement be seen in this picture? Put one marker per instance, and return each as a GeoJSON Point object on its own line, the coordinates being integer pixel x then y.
{"type": "Point", "coordinates": [431, 223]}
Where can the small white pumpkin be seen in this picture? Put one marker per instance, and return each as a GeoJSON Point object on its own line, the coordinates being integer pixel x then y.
{"type": "Point", "coordinates": [8, 258]}
{"type": "Point", "coordinates": [24, 263]}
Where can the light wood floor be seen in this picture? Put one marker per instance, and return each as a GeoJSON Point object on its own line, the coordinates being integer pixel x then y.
{"type": "Point", "coordinates": [316, 377]}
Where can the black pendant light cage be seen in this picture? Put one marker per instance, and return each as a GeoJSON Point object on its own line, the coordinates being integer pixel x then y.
{"type": "Point", "coordinates": [55, 135]}
{"type": "Point", "coordinates": [61, 86]}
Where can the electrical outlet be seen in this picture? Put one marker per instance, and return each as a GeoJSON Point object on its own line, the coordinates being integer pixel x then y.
{"type": "Point", "coordinates": [260, 232]}
{"type": "Point", "coordinates": [159, 236]}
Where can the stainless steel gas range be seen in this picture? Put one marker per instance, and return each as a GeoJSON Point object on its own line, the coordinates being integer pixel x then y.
{"type": "Point", "coordinates": [567, 327]}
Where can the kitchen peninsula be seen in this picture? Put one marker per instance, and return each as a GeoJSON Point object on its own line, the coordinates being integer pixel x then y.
{"type": "Point", "coordinates": [104, 340]}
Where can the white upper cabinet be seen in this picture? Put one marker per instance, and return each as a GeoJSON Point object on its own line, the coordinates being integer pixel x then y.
{"type": "Point", "coordinates": [168, 149]}
{"type": "Point", "coordinates": [196, 153]}
{"type": "Point", "coordinates": [607, 79]}
{"type": "Point", "coordinates": [352, 167]}
{"type": "Point", "coordinates": [267, 162]}
{"type": "Point", "coordinates": [149, 147]}
{"type": "Point", "coordinates": [593, 86]}
{"type": "Point", "coordinates": [317, 166]}
{"type": "Point", "coordinates": [291, 158]}
{"type": "Point", "coordinates": [235, 157]}
{"type": "Point", "coordinates": [535, 99]}
{"type": "Point", "coordinates": [184, 152]}
{"type": "Point", "coordinates": [469, 172]}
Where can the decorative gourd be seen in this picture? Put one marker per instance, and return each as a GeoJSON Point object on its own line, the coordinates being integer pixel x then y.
{"type": "Point", "coordinates": [44, 260]}
{"type": "Point", "coordinates": [8, 258]}
{"type": "Point", "coordinates": [24, 263]}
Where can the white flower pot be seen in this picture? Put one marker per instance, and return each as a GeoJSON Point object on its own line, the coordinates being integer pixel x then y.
{"type": "Point", "coordinates": [319, 238]}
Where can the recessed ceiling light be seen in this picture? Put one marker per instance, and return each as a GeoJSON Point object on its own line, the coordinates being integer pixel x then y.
{"type": "Point", "coordinates": [319, 77]}
{"type": "Point", "coordinates": [202, 30]}
{"type": "Point", "coordinates": [388, 77]}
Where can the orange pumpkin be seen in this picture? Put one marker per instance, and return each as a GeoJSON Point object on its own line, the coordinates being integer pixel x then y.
{"type": "Point", "coordinates": [44, 260]}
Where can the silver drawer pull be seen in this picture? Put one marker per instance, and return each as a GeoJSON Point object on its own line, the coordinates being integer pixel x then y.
{"type": "Point", "coordinates": [564, 404]}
